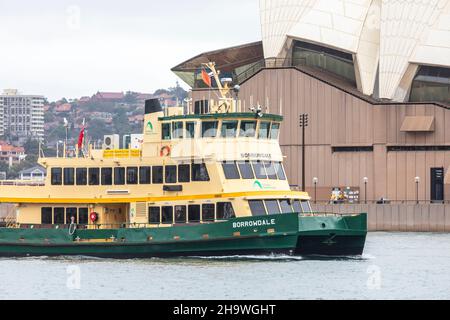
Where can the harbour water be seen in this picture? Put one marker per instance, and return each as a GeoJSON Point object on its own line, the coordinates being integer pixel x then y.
{"type": "Point", "coordinates": [394, 266]}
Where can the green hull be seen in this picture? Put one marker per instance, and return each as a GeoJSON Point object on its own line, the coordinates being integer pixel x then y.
{"type": "Point", "coordinates": [281, 234]}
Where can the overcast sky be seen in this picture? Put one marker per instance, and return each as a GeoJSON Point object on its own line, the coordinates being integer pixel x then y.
{"type": "Point", "coordinates": [61, 48]}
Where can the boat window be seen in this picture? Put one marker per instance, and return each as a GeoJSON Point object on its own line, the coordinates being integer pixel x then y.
{"type": "Point", "coordinates": [270, 169]}
{"type": "Point", "coordinates": [71, 212]}
{"type": "Point", "coordinates": [107, 176]}
{"type": "Point", "coordinates": [154, 215]}
{"type": "Point", "coordinates": [260, 172]}
{"type": "Point", "coordinates": [194, 213]}
{"type": "Point", "coordinates": [165, 132]}
{"type": "Point", "coordinates": [83, 216]}
{"type": "Point", "coordinates": [209, 129]}
{"type": "Point", "coordinates": [46, 215]}
{"type": "Point", "coordinates": [69, 176]}
{"type": "Point", "coordinates": [56, 176]}
{"type": "Point", "coordinates": [184, 173]}
{"type": "Point", "coordinates": [246, 170]}
{"type": "Point", "coordinates": [297, 206]}
{"type": "Point", "coordinates": [231, 171]}
{"type": "Point", "coordinates": [272, 207]}
{"type": "Point", "coordinates": [94, 175]}
{"type": "Point", "coordinates": [81, 176]}
{"type": "Point", "coordinates": [132, 175]}
{"type": "Point", "coordinates": [167, 215]}
{"type": "Point", "coordinates": [200, 172]}
{"type": "Point", "coordinates": [119, 176]}
{"type": "Point", "coordinates": [180, 214]}
{"type": "Point", "coordinates": [229, 129]}
{"type": "Point", "coordinates": [225, 211]}
{"type": "Point", "coordinates": [286, 206]}
{"type": "Point", "coordinates": [248, 129]}
{"type": "Point", "coordinates": [257, 208]}
{"type": "Point", "coordinates": [145, 174]}
{"type": "Point", "coordinates": [58, 216]}
{"type": "Point", "coordinates": [208, 212]}
{"type": "Point", "coordinates": [306, 207]}
{"type": "Point", "coordinates": [264, 130]}
{"type": "Point", "coordinates": [280, 170]}
{"type": "Point", "coordinates": [275, 131]}
{"type": "Point", "coordinates": [158, 175]}
{"type": "Point", "coordinates": [190, 130]}
{"type": "Point", "coordinates": [177, 130]}
{"type": "Point", "coordinates": [171, 174]}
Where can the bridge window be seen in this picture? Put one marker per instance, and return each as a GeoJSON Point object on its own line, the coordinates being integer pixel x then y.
{"type": "Point", "coordinates": [69, 176]}
{"type": "Point", "coordinates": [297, 207]}
{"type": "Point", "coordinates": [231, 170]}
{"type": "Point", "coordinates": [180, 214]}
{"type": "Point", "coordinates": [190, 130]}
{"type": "Point", "coordinates": [177, 130]}
{"type": "Point", "coordinates": [184, 173]}
{"type": "Point", "coordinates": [260, 171]}
{"type": "Point", "coordinates": [158, 175]}
{"type": "Point", "coordinates": [200, 173]}
{"type": "Point", "coordinates": [257, 208]}
{"type": "Point", "coordinates": [132, 175]}
{"type": "Point", "coordinates": [208, 212]}
{"type": "Point", "coordinates": [71, 212]}
{"type": "Point", "coordinates": [229, 129]}
{"type": "Point", "coordinates": [107, 176]}
{"type": "Point", "coordinates": [81, 176]}
{"type": "Point", "coordinates": [306, 207]}
{"type": "Point", "coordinates": [246, 170]}
{"type": "Point", "coordinates": [171, 174]}
{"type": "Point", "coordinates": [83, 215]}
{"type": "Point", "coordinates": [154, 215]}
{"type": "Point", "coordinates": [194, 214]}
{"type": "Point", "coordinates": [58, 216]}
{"type": "Point", "coordinates": [248, 129]}
{"type": "Point", "coordinates": [94, 176]}
{"type": "Point", "coordinates": [272, 207]}
{"type": "Point", "coordinates": [286, 206]}
{"type": "Point", "coordinates": [56, 176]}
{"type": "Point", "coordinates": [145, 175]}
{"type": "Point", "coordinates": [225, 211]}
{"type": "Point", "coordinates": [270, 169]}
{"type": "Point", "coordinates": [264, 130]}
{"type": "Point", "coordinates": [279, 170]}
{"type": "Point", "coordinates": [209, 129]}
{"type": "Point", "coordinates": [167, 215]}
{"type": "Point", "coordinates": [119, 176]}
{"type": "Point", "coordinates": [46, 215]}
{"type": "Point", "coordinates": [275, 131]}
{"type": "Point", "coordinates": [165, 132]}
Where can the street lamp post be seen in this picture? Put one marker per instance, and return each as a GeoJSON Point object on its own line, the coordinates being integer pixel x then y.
{"type": "Point", "coordinates": [417, 179]}
{"type": "Point", "coordinates": [304, 122]}
{"type": "Point", "coordinates": [315, 181]}
{"type": "Point", "coordinates": [366, 181]}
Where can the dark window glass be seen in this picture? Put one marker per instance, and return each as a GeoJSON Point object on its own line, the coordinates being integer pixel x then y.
{"type": "Point", "coordinates": [229, 129]}
{"type": "Point", "coordinates": [46, 215]}
{"type": "Point", "coordinates": [246, 170]}
{"type": "Point", "coordinates": [225, 211]}
{"type": "Point", "coordinates": [58, 216]}
{"type": "Point", "coordinates": [132, 175]}
{"type": "Point", "coordinates": [184, 173]}
{"type": "Point", "coordinates": [145, 174]}
{"type": "Point", "coordinates": [107, 176]}
{"type": "Point", "coordinates": [199, 172]}
{"type": "Point", "coordinates": [56, 176]}
{"type": "Point", "coordinates": [177, 130]}
{"type": "Point", "coordinates": [270, 169]}
{"type": "Point", "coordinates": [119, 176]}
{"type": "Point", "coordinates": [171, 174]}
{"type": "Point", "coordinates": [208, 213]}
{"type": "Point", "coordinates": [158, 172]}
{"type": "Point", "coordinates": [190, 130]}
{"type": "Point", "coordinates": [71, 212]}
{"type": "Point", "coordinates": [279, 170]}
{"type": "Point", "coordinates": [231, 171]}
{"type": "Point", "coordinates": [209, 129]}
{"type": "Point", "coordinates": [248, 129]}
{"type": "Point", "coordinates": [81, 176]}
{"type": "Point", "coordinates": [94, 176]}
{"type": "Point", "coordinates": [69, 176]}
{"type": "Point", "coordinates": [167, 215]}
{"type": "Point", "coordinates": [264, 130]}
{"type": "Point", "coordinates": [166, 131]}
{"type": "Point", "coordinates": [83, 216]}
{"type": "Point", "coordinates": [286, 206]}
{"type": "Point", "coordinates": [180, 214]}
{"type": "Point", "coordinates": [275, 131]}
{"type": "Point", "coordinates": [259, 169]}
{"type": "Point", "coordinates": [154, 215]}
{"type": "Point", "coordinates": [257, 208]}
{"type": "Point", "coordinates": [194, 214]}
{"type": "Point", "coordinates": [272, 207]}
{"type": "Point", "coordinates": [297, 206]}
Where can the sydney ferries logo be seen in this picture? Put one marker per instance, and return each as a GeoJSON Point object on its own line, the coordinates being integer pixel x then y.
{"type": "Point", "coordinates": [262, 186]}
{"type": "Point", "coordinates": [149, 128]}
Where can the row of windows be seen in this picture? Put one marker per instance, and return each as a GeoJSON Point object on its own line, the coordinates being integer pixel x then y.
{"type": "Point", "coordinates": [183, 173]}
{"type": "Point", "coordinates": [64, 215]}
{"type": "Point", "coordinates": [269, 207]}
{"type": "Point", "coordinates": [191, 214]}
{"type": "Point", "coordinates": [228, 129]}
{"type": "Point", "coordinates": [254, 169]}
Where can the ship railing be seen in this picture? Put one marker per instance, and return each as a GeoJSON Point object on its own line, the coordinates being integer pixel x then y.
{"type": "Point", "coordinates": [110, 226]}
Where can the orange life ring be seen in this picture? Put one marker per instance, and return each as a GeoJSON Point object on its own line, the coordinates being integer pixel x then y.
{"type": "Point", "coordinates": [165, 151]}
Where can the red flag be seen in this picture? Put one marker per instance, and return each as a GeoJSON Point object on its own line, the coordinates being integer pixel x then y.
{"type": "Point", "coordinates": [80, 139]}
{"type": "Point", "coordinates": [206, 78]}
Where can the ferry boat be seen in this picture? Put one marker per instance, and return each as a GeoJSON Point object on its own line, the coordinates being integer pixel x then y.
{"type": "Point", "coordinates": [204, 183]}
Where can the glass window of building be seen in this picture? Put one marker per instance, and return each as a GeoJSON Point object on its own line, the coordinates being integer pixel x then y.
{"type": "Point", "coordinates": [58, 216]}
{"type": "Point", "coordinates": [280, 170]}
{"type": "Point", "coordinates": [69, 176]}
{"type": "Point", "coordinates": [259, 169]}
{"type": "Point", "coordinates": [306, 207]}
{"type": "Point", "coordinates": [200, 173]}
{"type": "Point", "coordinates": [166, 131]}
{"type": "Point", "coordinates": [71, 213]}
{"type": "Point", "coordinates": [275, 131]}
{"type": "Point", "coordinates": [171, 174]}
{"type": "Point", "coordinates": [94, 176]}
{"type": "Point", "coordinates": [184, 173]}
{"type": "Point", "coordinates": [209, 129]}
{"type": "Point", "coordinates": [225, 211]}
{"type": "Point", "coordinates": [158, 175]}
{"type": "Point", "coordinates": [270, 169]}
{"type": "Point", "coordinates": [81, 176]}
{"type": "Point", "coordinates": [431, 84]}
{"type": "Point", "coordinates": [194, 213]}
{"type": "Point", "coordinates": [119, 176]}
{"type": "Point", "coordinates": [180, 214]}
{"type": "Point", "coordinates": [145, 174]}
{"type": "Point", "coordinates": [177, 130]}
{"type": "Point", "coordinates": [83, 216]}
{"type": "Point", "coordinates": [190, 130]}
{"type": "Point", "coordinates": [154, 215]}
{"type": "Point", "coordinates": [229, 129]}
{"type": "Point", "coordinates": [257, 208]}
{"type": "Point", "coordinates": [208, 212]}
{"type": "Point", "coordinates": [286, 206]}
{"type": "Point", "coordinates": [107, 176]}
{"type": "Point", "coordinates": [264, 130]}
{"type": "Point", "coordinates": [248, 129]}
{"type": "Point", "coordinates": [230, 170]}
{"type": "Point", "coordinates": [272, 207]}
{"type": "Point", "coordinates": [167, 215]}
{"type": "Point", "coordinates": [47, 216]}
{"type": "Point", "coordinates": [132, 175]}
{"type": "Point", "coordinates": [56, 176]}
{"type": "Point", "coordinates": [245, 167]}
